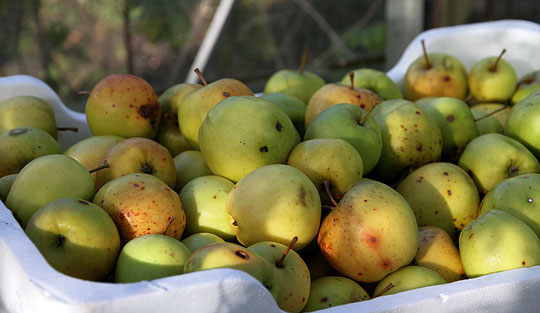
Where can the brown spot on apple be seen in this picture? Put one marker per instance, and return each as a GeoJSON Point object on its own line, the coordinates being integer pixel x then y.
{"type": "Point", "coordinates": [148, 110]}
{"type": "Point", "coordinates": [242, 254]}
{"type": "Point", "coordinates": [323, 300]}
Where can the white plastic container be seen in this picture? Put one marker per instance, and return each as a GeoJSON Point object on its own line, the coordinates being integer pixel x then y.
{"type": "Point", "coordinates": [29, 284]}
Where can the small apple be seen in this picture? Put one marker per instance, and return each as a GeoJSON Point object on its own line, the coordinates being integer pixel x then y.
{"type": "Point", "coordinates": [5, 186]}
{"type": "Point", "coordinates": [492, 79]}
{"type": "Point", "coordinates": [376, 81]}
{"type": "Point", "coordinates": [199, 240]}
{"type": "Point", "coordinates": [408, 278]}
{"type": "Point", "coordinates": [28, 111]}
{"type": "Point", "coordinates": [189, 165]}
{"type": "Point", "coordinates": [523, 123]}
{"type": "Point", "coordinates": [330, 291]}
{"type": "Point", "coordinates": [526, 85]}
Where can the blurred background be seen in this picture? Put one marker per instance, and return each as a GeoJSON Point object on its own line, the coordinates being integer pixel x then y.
{"type": "Point", "coordinates": [72, 44]}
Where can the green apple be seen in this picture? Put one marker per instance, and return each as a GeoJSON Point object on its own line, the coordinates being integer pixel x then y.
{"type": "Point", "coordinates": [329, 160]}
{"type": "Point", "coordinates": [5, 186]}
{"type": "Point", "coordinates": [275, 203]}
{"type": "Point", "coordinates": [199, 240]}
{"type": "Point", "coordinates": [523, 123]}
{"type": "Point", "coordinates": [456, 122]}
{"type": "Point", "coordinates": [441, 194]}
{"type": "Point", "coordinates": [330, 291]}
{"type": "Point", "coordinates": [371, 233]}
{"type": "Point", "coordinates": [497, 241]}
{"type": "Point", "coordinates": [492, 158]}
{"type": "Point", "coordinates": [45, 179]}
{"type": "Point", "coordinates": [301, 84]}
{"type": "Point", "coordinates": [137, 155]}
{"type": "Point", "coordinates": [123, 105]}
{"type": "Point", "coordinates": [149, 257]}
{"type": "Point", "coordinates": [90, 151]}
{"type": "Point", "coordinates": [192, 110]}
{"type": "Point", "coordinates": [203, 199]}
{"type": "Point", "coordinates": [189, 165]}
{"type": "Point", "coordinates": [21, 145]}
{"type": "Point", "coordinates": [376, 81]}
{"type": "Point", "coordinates": [332, 94]}
{"type": "Point", "coordinates": [292, 273]}
{"type": "Point", "coordinates": [294, 107]}
{"type": "Point", "coordinates": [435, 75]}
{"type": "Point", "coordinates": [28, 111]}
{"type": "Point", "coordinates": [408, 278]}
{"type": "Point", "coordinates": [243, 133]}
{"type": "Point", "coordinates": [318, 267]}
{"type": "Point", "coordinates": [517, 196]}
{"type": "Point", "coordinates": [410, 136]}
{"type": "Point", "coordinates": [437, 251]}
{"type": "Point", "coordinates": [351, 123]}
{"type": "Point", "coordinates": [526, 85]}
{"type": "Point", "coordinates": [486, 125]}
{"type": "Point", "coordinates": [230, 255]}
{"type": "Point", "coordinates": [492, 79]}
{"type": "Point", "coordinates": [169, 134]}
{"type": "Point", "coordinates": [141, 204]}
{"type": "Point", "coordinates": [489, 108]}
{"type": "Point", "coordinates": [76, 237]}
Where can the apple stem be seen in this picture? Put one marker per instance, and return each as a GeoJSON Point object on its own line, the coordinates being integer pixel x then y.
{"type": "Point", "coordinates": [83, 93]}
{"type": "Point", "coordinates": [201, 77]}
{"type": "Point", "coordinates": [289, 247]}
{"type": "Point", "coordinates": [303, 62]}
{"type": "Point", "coordinates": [351, 76]}
{"type": "Point", "coordinates": [493, 67]}
{"type": "Point", "coordinates": [327, 207]}
{"type": "Point", "coordinates": [491, 113]}
{"type": "Point", "coordinates": [105, 165]}
{"type": "Point", "coordinates": [169, 224]}
{"type": "Point", "coordinates": [328, 192]}
{"type": "Point", "coordinates": [365, 117]}
{"type": "Point", "coordinates": [73, 129]}
{"type": "Point", "coordinates": [425, 54]}
{"type": "Point", "coordinates": [385, 290]}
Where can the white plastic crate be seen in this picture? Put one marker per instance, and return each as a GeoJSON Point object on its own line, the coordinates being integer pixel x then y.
{"type": "Point", "coordinates": [29, 284]}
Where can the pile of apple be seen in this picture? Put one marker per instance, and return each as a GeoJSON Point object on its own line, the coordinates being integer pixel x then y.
{"type": "Point", "coordinates": [326, 193]}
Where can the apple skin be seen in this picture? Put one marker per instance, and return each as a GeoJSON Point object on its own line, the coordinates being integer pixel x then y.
{"type": "Point", "coordinates": [199, 240]}
{"type": "Point", "coordinates": [293, 274]}
{"type": "Point", "coordinates": [500, 116]}
{"type": "Point", "coordinates": [137, 155]}
{"type": "Point", "coordinates": [149, 257]}
{"type": "Point", "coordinates": [231, 255]}
{"type": "Point", "coordinates": [345, 121]}
{"type": "Point", "coordinates": [123, 105]}
{"type": "Point", "coordinates": [76, 237]}
{"type": "Point", "coordinates": [487, 85]}
{"type": "Point", "coordinates": [437, 251]}
{"type": "Point", "coordinates": [275, 203]}
{"type": "Point", "coordinates": [294, 107]}
{"type": "Point", "coordinates": [370, 233]}
{"type": "Point", "coordinates": [408, 278]}
{"type": "Point", "coordinates": [526, 85]}
{"type": "Point", "coordinates": [441, 194]}
{"type": "Point", "coordinates": [194, 107]}
{"type": "Point", "coordinates": [90, 151]}
{"type": "Point", "coordinates": [301, 85]}
{"type": "Point", "coordinates": [486, 125]}
{"type": "Point", "coordinates": [492, 158]}
{"type": "Point", "coordinates": [21, 145]}
{"type": "Point", "coordinates": [243, 133]}
{"type": "Point", "coordinates": [330, 291]}
{"type": "Point", "coordinates": [447, 77]}
{"type": "Point", "coordinates": [203, 200]}
{"type": "Point", "coordinates": [497, 241]}
{"type": "Point", "coordinates": [518, 197]}
{"type": "Point", "coordinates": [142, 204]}
{"type": "Point", "coordinates": [376, 81]}
{"type": "Point", "coordinates": [5, 186]}
{"type": "Point", "coordinates": [523, 123]}
{"type": "Point", "coordinates": [189, 165]}
{"type": "Point", "coordinates": [45, 179]}
{"type": "Point", "coordinates": [30, 111]}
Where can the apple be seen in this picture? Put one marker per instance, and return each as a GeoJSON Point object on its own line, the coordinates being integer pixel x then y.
{"type": "Point", "coordinates": [5, 186]}
{"type": "Point", "coordinates": [492, 79]}
{"type": "Point", "coordinates": [330, 291]}
{"type": "Point", "coordinates": [526, 85]}
{"type": "Point", "coordinates": [189, 165]}
{"type": "Point", "coordinates": [376, 81]}
{"type": "Point", "coordinates": [523, 123]}
{"type": "Point", "coordinates": [28, 111]}
{"type": "Point", "coordinates": [408, 278]}
{"type": "Point", "coordinates": [199, 240]}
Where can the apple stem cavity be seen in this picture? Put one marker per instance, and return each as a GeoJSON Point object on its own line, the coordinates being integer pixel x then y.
{"type": "Point", "coordinates": [171, 220]}
{"type": "Point", "coordinates": [303, 61]}
{"type": "Point", "coordinates": [60, 239]}
{"type": "Point", "coordinates": [351, 76]}
{"type": "Point", "coordinates": [279, 263]}
{"type": "Point", "coordinates": [73, 129]}
{"type": "Point", "coordinates": [425, 54]}
{"type": "Point", "coordinates": [201, 77]}
{"type": "Point", "coordinates": [83, 93]}
{"type": "Point", "coordinates": [385, 290]}
{"type": "Point", "coordinates": [328, 192]}
{"type": "Point", "coordinates": [493, 67]}
{"type": "Point", "coordinates": [491, 113]}
{"type": "Point", "coordinates": [105, 165]}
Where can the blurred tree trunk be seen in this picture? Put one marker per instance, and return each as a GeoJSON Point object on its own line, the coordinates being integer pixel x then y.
{"type": "Point", "coordinates": [44, 50]}
{"type": "Point", "coordinates": [127, 36]}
